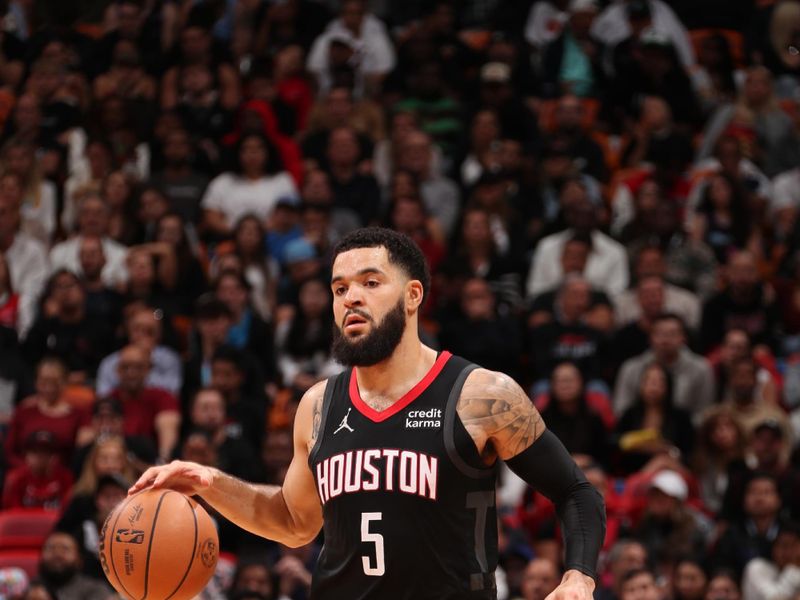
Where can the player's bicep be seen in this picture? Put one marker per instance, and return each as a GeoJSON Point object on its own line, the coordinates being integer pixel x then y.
{"type": "Point", "coordinates": [299, 488]}
{"type": "Point", "coordinates": [495, 410]}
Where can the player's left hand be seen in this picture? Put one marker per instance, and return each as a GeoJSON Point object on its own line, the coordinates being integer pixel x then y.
{"type": "Point", "coordinates": [574, 586]}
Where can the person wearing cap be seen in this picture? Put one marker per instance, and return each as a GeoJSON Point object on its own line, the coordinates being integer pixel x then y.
{"type": "Point", "coordinates": [497, 92]}
{"type": "Point", "coordinates": [669, 528]}
{"type": "Point", "coordinates": [572, 63]}
{"type": "Point", "coordinates": [620, 18]}
{"type": "Point", "coordinates": [41, 481]}
{"type": "Point", "coordinates": [148, 411]}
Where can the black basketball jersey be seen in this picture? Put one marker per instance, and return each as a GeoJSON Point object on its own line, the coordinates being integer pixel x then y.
{"type": "Point", "coordinates": [408, 505]}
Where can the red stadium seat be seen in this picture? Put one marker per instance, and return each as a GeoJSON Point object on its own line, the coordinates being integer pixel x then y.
{"type": "Point", "coordinates": [27, 560]}
{"type": "Point", "coordinates": [25, 529]}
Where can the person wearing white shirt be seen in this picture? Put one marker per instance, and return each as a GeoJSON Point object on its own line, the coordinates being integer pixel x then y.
{"type": "Point", "coordinates": [778, 579]}
{"type": "Point", "coordinates": [93, 217]}
{"type": "Point", "coordinates": [38, 196]}
{"type": "Point", "coordinates": [606, 268]}
{"type": "Point", "coordinates": [255, 187]}
{"type": "Point", "coordinates": [613, 25]}
{"type": "Point", "coordinates": [26, 259]}
{"type": "Point", "coordinates": [366, 35]}
{"type": "Point", "coordinates": [545, 22]}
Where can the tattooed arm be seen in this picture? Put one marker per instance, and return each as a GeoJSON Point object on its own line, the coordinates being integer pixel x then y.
{"type": "Point", "coordinates": [503, 422]}
{"type": "Point", "coordinates": [498, 415]}
{"type": "Point", "coordinates": [290, 514]}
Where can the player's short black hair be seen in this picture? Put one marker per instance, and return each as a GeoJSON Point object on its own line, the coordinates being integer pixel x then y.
{"type": "Point", "coordinates": [402, 250]}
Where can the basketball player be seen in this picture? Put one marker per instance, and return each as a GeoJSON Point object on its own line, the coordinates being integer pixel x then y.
{"type": "Point", "coordinates": [396, 456]}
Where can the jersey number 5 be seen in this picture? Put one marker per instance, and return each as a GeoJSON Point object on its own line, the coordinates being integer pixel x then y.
{"type": "Point", "coordinates": [374, 538]}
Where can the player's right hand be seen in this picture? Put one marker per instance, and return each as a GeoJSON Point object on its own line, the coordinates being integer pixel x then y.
{"type": "Point", "coordinates": [185, 477]}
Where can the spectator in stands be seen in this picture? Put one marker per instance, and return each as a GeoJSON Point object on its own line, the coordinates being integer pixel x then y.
{"type": "Point", "coordinates": [573, 417]}
{"type": "Point", "coordinates": [779, 575]}
{"type": "Point", "coordinates": [572, 62]}
{"type": "Point", "coordinates": [479, 333]}
{"type": "Point", "coordinates": [440, 194]}
{"type": "Point", "coordinates": [47, 410]}
{"type": "Point", "coordinates": [40, 480]}
{"type": "Point", "coordinates": [756, 110]}
{"type": "Point", "coordinates": [353, 191]}
{"type": "Point", "coordinates": [639, 585]}
{"type": "Point", "coordinates": [60, 569]}
{"type": "Point", "coordinates": [93, 221]}
{"type": "Point", "coordinates": [101, 300]}
{"type": "Point", "coordinates": [689, 580]}
{"type": "Point", "coordinates": [722, 220]}
{"type": "Point", "coordinates": [235, 454]}
{"type": "Point", "coordinates": [723, 585]}
{"type": "Point", "coordinates": [248, 331]}
{"type": "Point", "coordinates": [408, 215]}
{"type": "Point", "coordinates": [649, 264]}
{"type": "Point", "coordinates": [719, 456]}
{"type": "Point", "coordinates": [736, 345]}
{"type": "Point", "coordinates": [745, 401]}
{"type": "Point", "coordinates": [634, 338]}
{"type": "Point", "coordinates": [745, 303]}
{"type": "Point", "coordinates": [149, 411]}
{"type": "Point", "coordinates": [180, 180]}
{"type": "Point", "coordinates": [144, 328]}
{"type": "Point", "coordinates": [64, 329]}
{"type": "Point", "coordinates": [84, 516]}
{"type": "Point", "coordinates": [303, 340]}
{"type": "Point", "coordinates": [669, 528]}
{"type": "Point", "coordinates": [541, 577]}
{"type": "Point", "coordinates": [626, 556]}
{"type": "Point", "coordinates": [753, 534]}
{"type": "Point", "coordinates": [568, 337]}
{"type": "Point", "coordinates": [371, 51]}
{"type": "Point", "coordinates": [653, 424]}
{"type": "Point", "coordinates": [517, 120]}
{"type": "Point", "coordinates": [235, 375]}
{"type": "Point", "coordinates": [26, 259]}
{"type": "Point", "coordinates": [253, 576]}
{"type": "Point", "coordinates": [254, 186]}
{"type": "Point", "coordinates": [656, 136]}
{"type": "Point", "coordinates": [152, 277]}
{"type": "Point", "coordinates": [570, 126]}
{"type": "Point", "coordinates": [607, 266]}
{"type": "Point", "coordinates": [691, 375]}
{"type": "Point", "coordinates": [37, 195]}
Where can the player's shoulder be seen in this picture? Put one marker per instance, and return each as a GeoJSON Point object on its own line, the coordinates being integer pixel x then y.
{"type": "Point", "coordinates": [485, 383]}
{"type": "Point", "coordinates": [314, 395]}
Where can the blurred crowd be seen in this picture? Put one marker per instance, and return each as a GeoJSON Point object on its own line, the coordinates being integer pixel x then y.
{"type": "Point", "coordinates": [606, 191]}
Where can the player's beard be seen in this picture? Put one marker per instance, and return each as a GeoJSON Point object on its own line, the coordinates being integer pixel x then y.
{"type": "Point", "coordinates": [374, 347]}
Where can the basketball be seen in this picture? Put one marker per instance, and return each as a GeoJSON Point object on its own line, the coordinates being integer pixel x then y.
{"type": "Point", "coordinates": [158, 545]}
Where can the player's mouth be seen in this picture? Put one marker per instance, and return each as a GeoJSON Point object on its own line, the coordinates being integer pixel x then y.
{"type": "Point", "coordinates": [353, 323]}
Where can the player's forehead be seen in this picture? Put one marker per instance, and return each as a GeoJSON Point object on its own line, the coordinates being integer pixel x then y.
{"type": "Point", "coordinates": [357, 261]}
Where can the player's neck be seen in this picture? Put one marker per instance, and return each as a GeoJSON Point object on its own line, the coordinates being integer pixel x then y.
{"type": "Point", "coordinates": [392, 377]}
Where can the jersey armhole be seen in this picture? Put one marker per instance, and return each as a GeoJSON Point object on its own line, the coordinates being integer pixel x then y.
{"type": "Point", "coordinates": [460, 447]}
{"type": "Point", "coordinates": [327, 397]}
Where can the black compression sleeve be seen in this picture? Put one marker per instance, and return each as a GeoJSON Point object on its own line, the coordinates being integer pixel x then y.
{"type": "Point", "coordinates": [548, 468]}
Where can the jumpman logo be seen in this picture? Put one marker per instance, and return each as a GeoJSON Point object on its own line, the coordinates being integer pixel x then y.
{"type": "Point", "coordinates": [343, 424]}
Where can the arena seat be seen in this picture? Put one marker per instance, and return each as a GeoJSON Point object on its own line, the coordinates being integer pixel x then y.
{"type": "Point", "coordinates": [25, 529]}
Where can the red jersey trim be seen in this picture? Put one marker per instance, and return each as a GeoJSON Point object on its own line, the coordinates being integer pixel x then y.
{"type": "Point", "coordinates": [377, 416]}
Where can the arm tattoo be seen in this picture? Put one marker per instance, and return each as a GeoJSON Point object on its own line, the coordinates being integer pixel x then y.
{"type": "Point", "coordinates": [496, 411]}
{"type": "Point", "coordinates": [316, 419]}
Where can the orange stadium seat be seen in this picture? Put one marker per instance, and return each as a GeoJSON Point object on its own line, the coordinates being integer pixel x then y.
{"type": "Point", "coordinates": [27, 560]}
{"type": "Point", "coordinates": [25, 529]}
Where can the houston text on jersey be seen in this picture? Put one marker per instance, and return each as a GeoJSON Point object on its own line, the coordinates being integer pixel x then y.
{"type": "Point", "coordinates": [378, 469]}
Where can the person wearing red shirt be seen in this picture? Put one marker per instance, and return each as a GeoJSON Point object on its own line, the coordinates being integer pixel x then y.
{"type": "Point", "coordinates": [148, 412]}
{"type": "Point", "coordinates": [47, 410]}
{"type": "Point", "coordinates": [42, 481]}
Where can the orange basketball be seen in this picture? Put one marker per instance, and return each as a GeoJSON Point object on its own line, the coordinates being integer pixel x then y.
{"type": "Point", "coordinates": [159, 545]}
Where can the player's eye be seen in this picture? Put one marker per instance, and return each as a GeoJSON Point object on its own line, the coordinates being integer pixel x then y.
{"type": "Point", "coordinates": [372, 283]}
{"type": "Point", "coordinates": [339, 290]}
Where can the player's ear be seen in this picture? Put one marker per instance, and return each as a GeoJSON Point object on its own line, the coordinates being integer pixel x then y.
{"type": "Point", "coordinates": [414, 293]}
